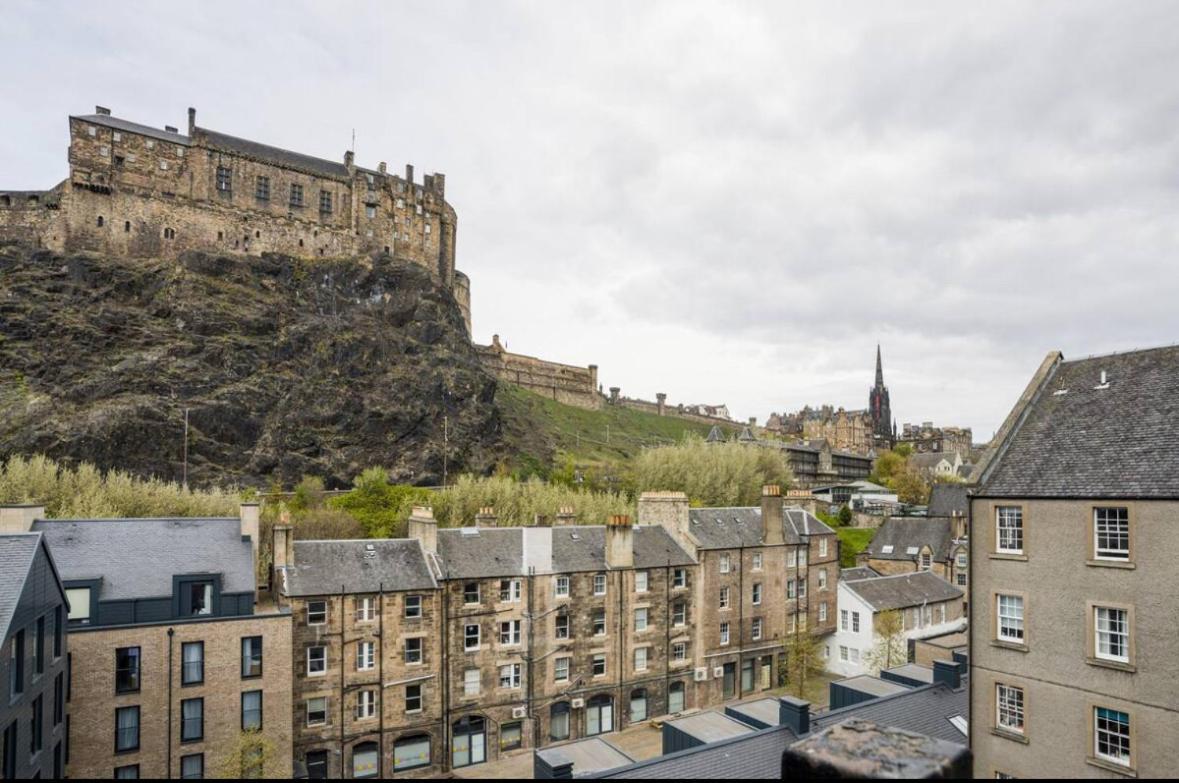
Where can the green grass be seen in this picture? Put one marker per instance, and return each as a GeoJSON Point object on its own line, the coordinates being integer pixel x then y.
{"type": "Point", "coordinates": [854, 540]}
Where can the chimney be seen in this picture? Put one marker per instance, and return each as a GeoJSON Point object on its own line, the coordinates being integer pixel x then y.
{"type": "Point", "coordinates": [804, 500]}
{"type": "Point", "coordinates": [409, 173]}
{"type": "Point", "coordinates": [486, 517]}
{"type": "Point", "coordinates": [620, 542]}
{"type": "Point", "coordinates": [947, 673]}
{"type": "Point", "coordinates": [423, 527]}
{"type": "Point", "coordinates": [349, 160]}
{"type": "Point", "coordinates": [771, 515]}
{"type": "Point", "coordinates": [170, 128]}
{"type": "Point", "coordinates": [670, 511]}
{"type": "Point", "coordinates": [249, 514]}
{"type": "Point", "coordinates": [382, 167]}
{"type": "Point", "coordinates": [191, 120]}
{"type": "Point", "coordinates": [18, 518]}
{"type": "Point", "coordinates": [660, 402]}
{"type": "Point", "coordinates": [284, 543]}
{"type": "Point", "coordinates": [104, 111]}
{"type": "Point", "coordinates": [795, 714]}
{"type": "Point", "coordinates": [566, 516]}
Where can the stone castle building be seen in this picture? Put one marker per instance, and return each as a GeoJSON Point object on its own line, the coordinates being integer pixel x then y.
{"type": "Point", "coordinates": [136, 190]}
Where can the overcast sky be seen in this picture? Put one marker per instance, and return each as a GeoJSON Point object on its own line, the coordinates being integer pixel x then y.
{"type": "Point", "coordinates": [728, 203]}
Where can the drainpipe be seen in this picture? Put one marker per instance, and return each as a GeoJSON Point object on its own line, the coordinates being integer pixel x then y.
{"type": "Point", "coordinates": [531, 658]}
{"type": "Point", "coordinates": [343, 691]}
{"type": "Point", "coordinates": [171, 634]}
{"type": "Point", "coordinates": [621, 654]}
{"type": "Point", "coordinates": [381, 677]}
{"type": "Point", "coordinates": [666, 638]}
{"type": "Point", "coordinates": [740, 620]}
{"type": "Point", "coordinates": [445, 659]}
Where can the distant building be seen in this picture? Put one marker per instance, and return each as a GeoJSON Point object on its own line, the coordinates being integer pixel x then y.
{"type": "Point", "coordinates": [937, 464]}
{"type": "Point", "coordinates": [911, 544]}
{"type": "Point", "coordinates": [925, 438]}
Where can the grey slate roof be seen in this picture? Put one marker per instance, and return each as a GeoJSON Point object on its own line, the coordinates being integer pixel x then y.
{"type": "Point", "coordinates": [859, 572]}
{"type": "Point", "coordinates": [757, 756]}
{"type": "Point", "coordinates": [17, 551]}
{"type": "Point", "coordinates": [902, 533]}
{"type": "Point", "coordinates": [926, 710]}
{"type": "Point", "coordinates": [275, 155]}
{"type": "Point", "coordinates": [359, 566]}
{"type": "Point", "coordinates": [730, 528]}
{"type": "Point", "coordinates": [481, 552]}
{"type": "Point", "coordinates": [136, 558]}
{"type": "Point", "coordinates": [903, 590]}
{"type": "Point", "coordinates": [653, 548]}
{"type": "Point", "coordinates": [108, 121]}
{"type": "Point", "coordinates": [946, 499]}
{"type": "Point", "coordinates": [1115, 442]}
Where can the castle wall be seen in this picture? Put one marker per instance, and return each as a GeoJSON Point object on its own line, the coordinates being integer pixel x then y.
{"type": "Point", "coordinates": [561, 382]}
{"type": "Point", "coordinates": [32, 217]}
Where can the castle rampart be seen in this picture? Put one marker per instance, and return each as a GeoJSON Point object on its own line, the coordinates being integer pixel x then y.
{"type": "Point", "coordinates": [561, 382]}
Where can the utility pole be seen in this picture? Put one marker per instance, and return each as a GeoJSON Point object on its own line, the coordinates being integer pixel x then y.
{"type": "Point", "coordinates": [184, 480]}
{"type": "Point", "coordinates": [445, 448]}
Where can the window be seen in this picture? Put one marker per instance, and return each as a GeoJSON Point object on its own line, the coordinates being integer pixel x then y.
{"type": "Point", "coordinates": [192, 663]}
{"type": "Point", "coordinates": [1009, 707]}
{"type": "Point", "coordinates": [192, 766]}
{"type": "Point", "coordinates": [1010, 618]}
{"type": "Point", "coordinates": [724, 564]}
{"type": "Point", "coordinates": [411, 752]}
{"type": "Point", "coordinates": [413, 650]}
{"type": "Point", "coordinates": [469, 742]}
{"type": "Point", "coordinates": [127, 772]}
{"type": "Point", "coordinates": [316, 612]}
{"type": "Point", "coordinates": [822, 547]}
{"type": "Point", "coordinates": [251, 656]}
{"type": "Point", "coordinates": [599, 665]}
{"type": "Point", "coordinates": [316, 761]}
{"type": "Point", "coordinates": [126, 669]}
{"type": "Point", "coordinates": [317, 710]}
{"type": "Point", "coordinates": [471, 637]}
{"type": "Point", "coordinates": [679, 613]}
{"type": "Point", "coordinates": [823, 612]}
{"type": "Point", "coordinates": [724, 633]}
{"type": "Point", "coordinates": [757, 561]}
{"type": "Point", "coordinates": [170, 233]}
{"type": "Point", "coordinates": [366, 609]}
{"type": "Point", "coordinates": [366, 704]}
{"type": "Point", "coordinates": [599, 584]}
{"type": "Point", "coordinates": [561, 669]}
{"type": "Point", "coordinates": [509, 590]}
{"type": "Point", "coordinates": [509, 675]}
{"type": "Point", "coordinates": [641, 579]}
{"type": "Point", "coordinates": [36, 727]}
{"type": "Point", "coordinates": [471, 593]}
{"type": "Point", "coordinates": [251, 710]}
{"type": "Point", "coordinates": [1111, 735]}
{"type": "Point", "coordinates": [59, 698]}
{"type": "Point", "coordinates": [561, 588]}
{"type": "Point", "coordinates": [561, 625]}
{"type": "Point", "coordinates": [599, 715]}
{"type": "Point", "coordinates": [638, 705]}
{"type": "Point", "coordinates": [756, 628]}
{"type": "Point", "coordinates": [801, 587]}
{"type": "Point", "coordinates": [1009, 529]}
{"type": "Point", "coordinates": [365, 656]}
{"type": "Point", "coordinates": [559, 721]}
{"type": "Point", "coordinates": [843, 615]}
{"type": "Point", "coordinates": [724, 598]}
{"type": "Point", "coordinates": [365, 760]}
{"type": "Point", "coordinates": [679, 578]}
{"type": "Point", "coordinates": [599, 621]}
{"type": "Point", "coordinates": [1111, 533]}
{"type": "Point", "coordinates": [316, 661]}
{"type": "Point", "coordinates": [509, 632]}
{"type": "Point", "coordinates": [262, 188]}
{"type": "Point", "coordinates": [471, 682]}
{"type": "Point", "coordinates": [855, 618]}
{"type": "Point", "coordinates": [679, 651]}
{"type": "Point", "coordinates": [1112, 628]}
{"type": "Point", "coordinates": [57, 632]}
{"type": "Point", "coordinates": [370, 211]}
{"type": "Point", "coordinates": [962, 560]}
{"type": "Point", "coordinates": [224, 179]}
{"type": "Point", "coordinates": [640, 659]}
{"type": "Point", "coordinates": [192, 720]}
{"type": "Point", "coordinates": [413, 607]}
{"type": "Point", "coordinates": [296, 195]}
{"type": "Point", "coordinates": [757, 594]}
{"type": "Point", "coordinates": [961, 578]}
{"type": "Point", "coordinates": [325, 202]}
{"type": "Point", "coordinates": [675, 697]}
{"type": "Point", "coordinates": [163, 165]}
{"type": "Point", "coordinates": [641, 619]}
{"type": "Point", "coordinates": [791, 590]}
{"type": "Point", "coordinates": [926, 561]}
{"type": "Point", "coordinates": [16, 667]}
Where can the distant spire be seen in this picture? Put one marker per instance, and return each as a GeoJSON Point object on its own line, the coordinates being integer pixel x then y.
{"type": "Point", "coordinates": [879, 368]}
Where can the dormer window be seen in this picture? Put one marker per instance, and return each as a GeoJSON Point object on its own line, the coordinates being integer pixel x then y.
{"type": "Point", "coordinates": [200, 596]}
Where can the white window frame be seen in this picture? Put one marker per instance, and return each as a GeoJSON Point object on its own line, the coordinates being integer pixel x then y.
{"type": "Point", "coordinates": [1111, 632]}
{"type": "Point", "coordinates": [509, 633]}
{"type": "Point", "coordinates": [322, 657]}
{"type": "Point", "coordinates": [366, 704]}
{"type": "Point", "coordinates": [366, 612]}
{"type": "Point", "coordinates": [472, 685]}
{"type": "Point", "coordinates": [1000, 616]}
{"type": "Point", "coordinates": [756, 594]}
{"type": "Point", "coordinates": [1007, 520]}
{"type": "Point", "coordinates": [599, 658]}
{"type": "Point", "coordinates": [1109, 553]}
{"type": "Point", "coordinates": [467, 646]}
{"type": "Point", "coordinates": [561, 587]}
{"type": "Point", "coordinates": [642, 581]}
{"type": "Point", "coordinates": [757, 561]}
{"type": "Point", "coordinates": [724, 634]}
{"type": "Point", "coordinates": [723, 599]}
{"type": "Point", "coordinates": [641, 656]}
{"type": "Point", "coordinates": [599, 584]}
{"type": "Point", "coordinates": [755, 628]}
{"type": "Point", "coordinates": [313, 613]}
{"type": "Point", "coordinates": [413, 607]}
{"type": "Point", "coordinates": [1009, 705]}
{"type": "Point", "coordinates": [510, 673]}
{"type": "Point", "coordinates": [1098, 731]}
{"type": "Point", "coordinates": [725, 565]}
{"type": "Point", "coordinates": [307, 705]}
{"type": "Point", "coordinates": [509, 591]}
{"type": "Point", "coordinates": [641, 619]}
{"type": "Point", "coordinates": [366, 656]}
{"type": "Point", "coordinates": [561, 669]}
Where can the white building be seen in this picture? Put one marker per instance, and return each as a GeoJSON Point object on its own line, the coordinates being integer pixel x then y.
{"type": "Point", "coordinates": [929, 606]}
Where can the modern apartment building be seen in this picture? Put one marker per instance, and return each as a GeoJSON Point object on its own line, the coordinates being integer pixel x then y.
{"type": "Point", "coordinates": [1074, 610]}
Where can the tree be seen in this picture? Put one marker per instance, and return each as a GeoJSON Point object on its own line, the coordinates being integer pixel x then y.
{"type": "Point", "coordinates": [891, 648]}
{"type": "Point", "coordinates": [804, 660]}
{"type": "Point", "coordinates": [887, 465]}
{"type": "Point", "coordinates": [712, 474]}
{"type": "Point", "coordinates": [845, 515]}
{"type": "Point", "coordinates": [251, 755]}
{"type": "Point", "coordinates": [910, 487]}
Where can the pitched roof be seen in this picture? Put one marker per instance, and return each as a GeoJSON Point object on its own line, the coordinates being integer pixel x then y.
{"type": "Point", "coordinates": [859, 572]}
{"type": "Point", "coordinates": [358, 566]}
{"type": "Point", "coordinates": [17, 551]}
{"type": "Point", "coordinates": [653, 547]}
{"type": "Point", "coordinates": [108, 121]}
{"type": "Point", "coordinates": [731, 528]}
{"type": "Point", "coordinates": [136, 558]}
{"type": "Point", "coordinates": [948, 499]}
{"type": "Point", "coordinates": [903, 590]}
{"type": "Point", "coordinates": [276, 155]}
{"type": "Point", "coordinates": [1081, 438]}
{"type": "Point", "coordinates": [901, 538]}
{"type": "Point", "coordinates": [479, 552]}
{"type": "Point", "coordinates": [925, 710]}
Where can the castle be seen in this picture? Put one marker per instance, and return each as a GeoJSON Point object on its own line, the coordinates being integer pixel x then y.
{"type": "Point", "coordinates": [136, 190]}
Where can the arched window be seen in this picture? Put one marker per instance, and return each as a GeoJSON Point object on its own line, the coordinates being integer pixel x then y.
{"type": "Point", "coordinates": [469, 743]}
{"type": "Point", "coordinates": [638, 705]}
{"type": "Point", "coordinates": [675, 697]}
{"type": "Point", "coordinates": [559, 721]}
{"type": "Point", "coordinates": [126, 226]}
{"type": "Point", "coordinates": [411, 752]}
{"type": "Point", "coordinates": [100, 221]}
{"type": "Point", "coordinates": [599, 715]}
{"type": "Point", "coordinates": [365, 760]}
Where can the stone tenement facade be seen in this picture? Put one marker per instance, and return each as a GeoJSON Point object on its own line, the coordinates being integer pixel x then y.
{"type": "Point", "coordinates": [925, 438]}
{"type": "Point", "coordinates": [136, 190]}
{"type": "Point", "coordinates": [446, 649]}
{"type": "Point", "coordinates": [561, 382]}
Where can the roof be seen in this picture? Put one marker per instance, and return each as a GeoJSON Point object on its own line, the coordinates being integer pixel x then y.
{"type": "Point", "coordinates": [17, 551]}
{"type": "Point", "coordinates": [1081, 438]}
{"type": "Point", "coordinates": [593, 754]}
{"type": "Point", "coordinates": [710, 726]}
{"type": "Point", "coordinates": [731, 528]}
{"type": "Point", "coordinates": [757, 756]}
{"type": "Point", "coordinates": [479, 552]}
{"type": "Point", "coordinates": [276, 155]}
{"type": "Point", "coordinates": [948, 499]}
{"type": "Point", "coordinates": [136, 558]}
{"type": "Point", "coordinates": [583, 548]}
{"type": "Point", "coordinates": [925, 710]}
{"type": "Point", "coordinates": [901, 538]}
{"type": "Point", "coordinates": [361, 566]}
{"type": "Point", "coordinates": [873, 686]}
{"type": "Point", "coordinates": [903, 590]}
{"type": "Point", "coordinates": [108, 121]}
{"type": "Point", "coordinates": [912, 671]}
{"type": "Point", "coordinates": [859, 572]}
{"type": "Point", "coordinates": [767, 711]}
{"type": "Point", "coordinates": [950, 641]}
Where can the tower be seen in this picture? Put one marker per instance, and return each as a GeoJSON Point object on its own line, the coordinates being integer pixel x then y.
{"type": "Point", "coordinates": [878, 407]}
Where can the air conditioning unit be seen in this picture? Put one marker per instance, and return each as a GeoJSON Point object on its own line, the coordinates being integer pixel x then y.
{"type": "Point", "coordinates": [701, 673]}
{"type": "Point", "coordinates": [577, 704]}
{"type": "Point", "coordinates": [718, 672]}
{"type": "Point", "coordinates": [519, 712]}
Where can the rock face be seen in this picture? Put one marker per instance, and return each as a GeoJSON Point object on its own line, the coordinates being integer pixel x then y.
{"type": "Point", "coordinates": [287, 367]}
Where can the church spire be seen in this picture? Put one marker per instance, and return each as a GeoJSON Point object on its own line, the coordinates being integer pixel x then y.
{"type": "Point", "coordinates": [879, 368]}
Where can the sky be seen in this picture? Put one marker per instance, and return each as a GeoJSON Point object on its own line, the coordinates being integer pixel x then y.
{"type": "Point", "coordinates": [730, 203]}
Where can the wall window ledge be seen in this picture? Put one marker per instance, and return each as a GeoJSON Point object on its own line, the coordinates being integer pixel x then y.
{"type": "Point", "coordinates": [1008, 556]}
{"type": "Point", "coordinates": [1017, 646]}
{"type": "Point", "coordinates": [1014, 736]}
{"type": "Point", "coordinates": [1121, 666]}
{"type": "Point", "coordinates": [1099, 563]}
{"type": "Point", "coordinates": [1125, 771]}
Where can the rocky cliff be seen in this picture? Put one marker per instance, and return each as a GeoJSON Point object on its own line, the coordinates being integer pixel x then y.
{"type": "Point", "coordinates": [286, 366]}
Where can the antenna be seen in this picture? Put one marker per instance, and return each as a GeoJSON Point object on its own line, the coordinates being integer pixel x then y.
{"type": "Point", "coordinates": [353, 147]}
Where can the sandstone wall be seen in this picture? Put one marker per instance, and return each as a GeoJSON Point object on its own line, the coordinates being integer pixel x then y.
{"type": "Point", "coordinates": [561, 382]}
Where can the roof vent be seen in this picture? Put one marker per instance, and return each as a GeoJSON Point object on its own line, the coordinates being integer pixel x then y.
{"type": "Point", "coordinates": [1104, 384]}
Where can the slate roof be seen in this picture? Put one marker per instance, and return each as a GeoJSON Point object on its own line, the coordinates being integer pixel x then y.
{"type": "Point", "coordinates": [358, 566]}
{"type": "Point", "coordinates": [108, 121]}
{"type": "Point", "coordinates": [859, 572]}
{"type": "Point", "coordinates": [481, 552]}
{"type": "Point", "coordinates": [947, 499]}
{"type": "Point", "coordinates": [17, 551]}
{"type": "Point", "coordinates": [136, 558]}
{"type": "Point", "coordinates": [903, 590]}
{"type": "Point", "coordinates": [276, 155]}
{"type": "Point", "coordinates": [903, 533]}
{"type": "Point", "coordinates": [588, 755]}
{"type": "Point", "coordinates": [731, 528]}
{"type": "Point", "coordinates": [1114, 442]}
{"type": "Point", "coordinates": [925, 710]}
{"type": "Point", "coordinates": [653, 548]}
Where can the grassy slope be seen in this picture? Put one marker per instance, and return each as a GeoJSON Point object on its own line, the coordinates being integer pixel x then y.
{"type": "Point", "coordinates": [854, 540]}
{"type": "Point", "coordinates": [546, 431]}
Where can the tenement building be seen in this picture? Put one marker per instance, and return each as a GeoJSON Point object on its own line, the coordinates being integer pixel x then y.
{"type": "Point", "coordinates": [34, 667]}
{"type": "Point", "coordinates": [177, 668]}
{"type": "Point", "coordinates": [1072, 648]}
{"type": "Point", "coordinates": [452, 647]}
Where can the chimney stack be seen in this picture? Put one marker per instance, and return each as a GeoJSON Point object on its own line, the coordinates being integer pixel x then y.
{"type": "Point", "coordinates": [486, 517]}
{"type": "Point", "coordinates": [947, 673]}
{"type": "Point", "coordinates": [620, 542]}
{"type": "Point", "coordinates": [409, 173]}
{"type": "Point", "coordinates": [249, 515]}
{"type": "Point", "coordinates": [566, 516]}
{"type": "Point", "coordinates": [19, 518]}
{"type": "Point", "coordinates": [795, 714]}
{"type": "Point", "coordinates": [349, 160]}
{"type": "Point", "coordinates": [423, 527]}
{"type": "Point", "coordinates": [771, 515]}
{"type": "Point", "coordinates": [191, 121]}
{"type": "Point", "coordinates": [284, 543]}
{"type": "Point", "coordinates": [104, 111]}
{"type": "Point", "coordinates": [382, 167]}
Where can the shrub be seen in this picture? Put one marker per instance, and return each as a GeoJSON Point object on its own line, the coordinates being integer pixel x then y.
{"type": "Point", "coordinates": [712, 474]}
